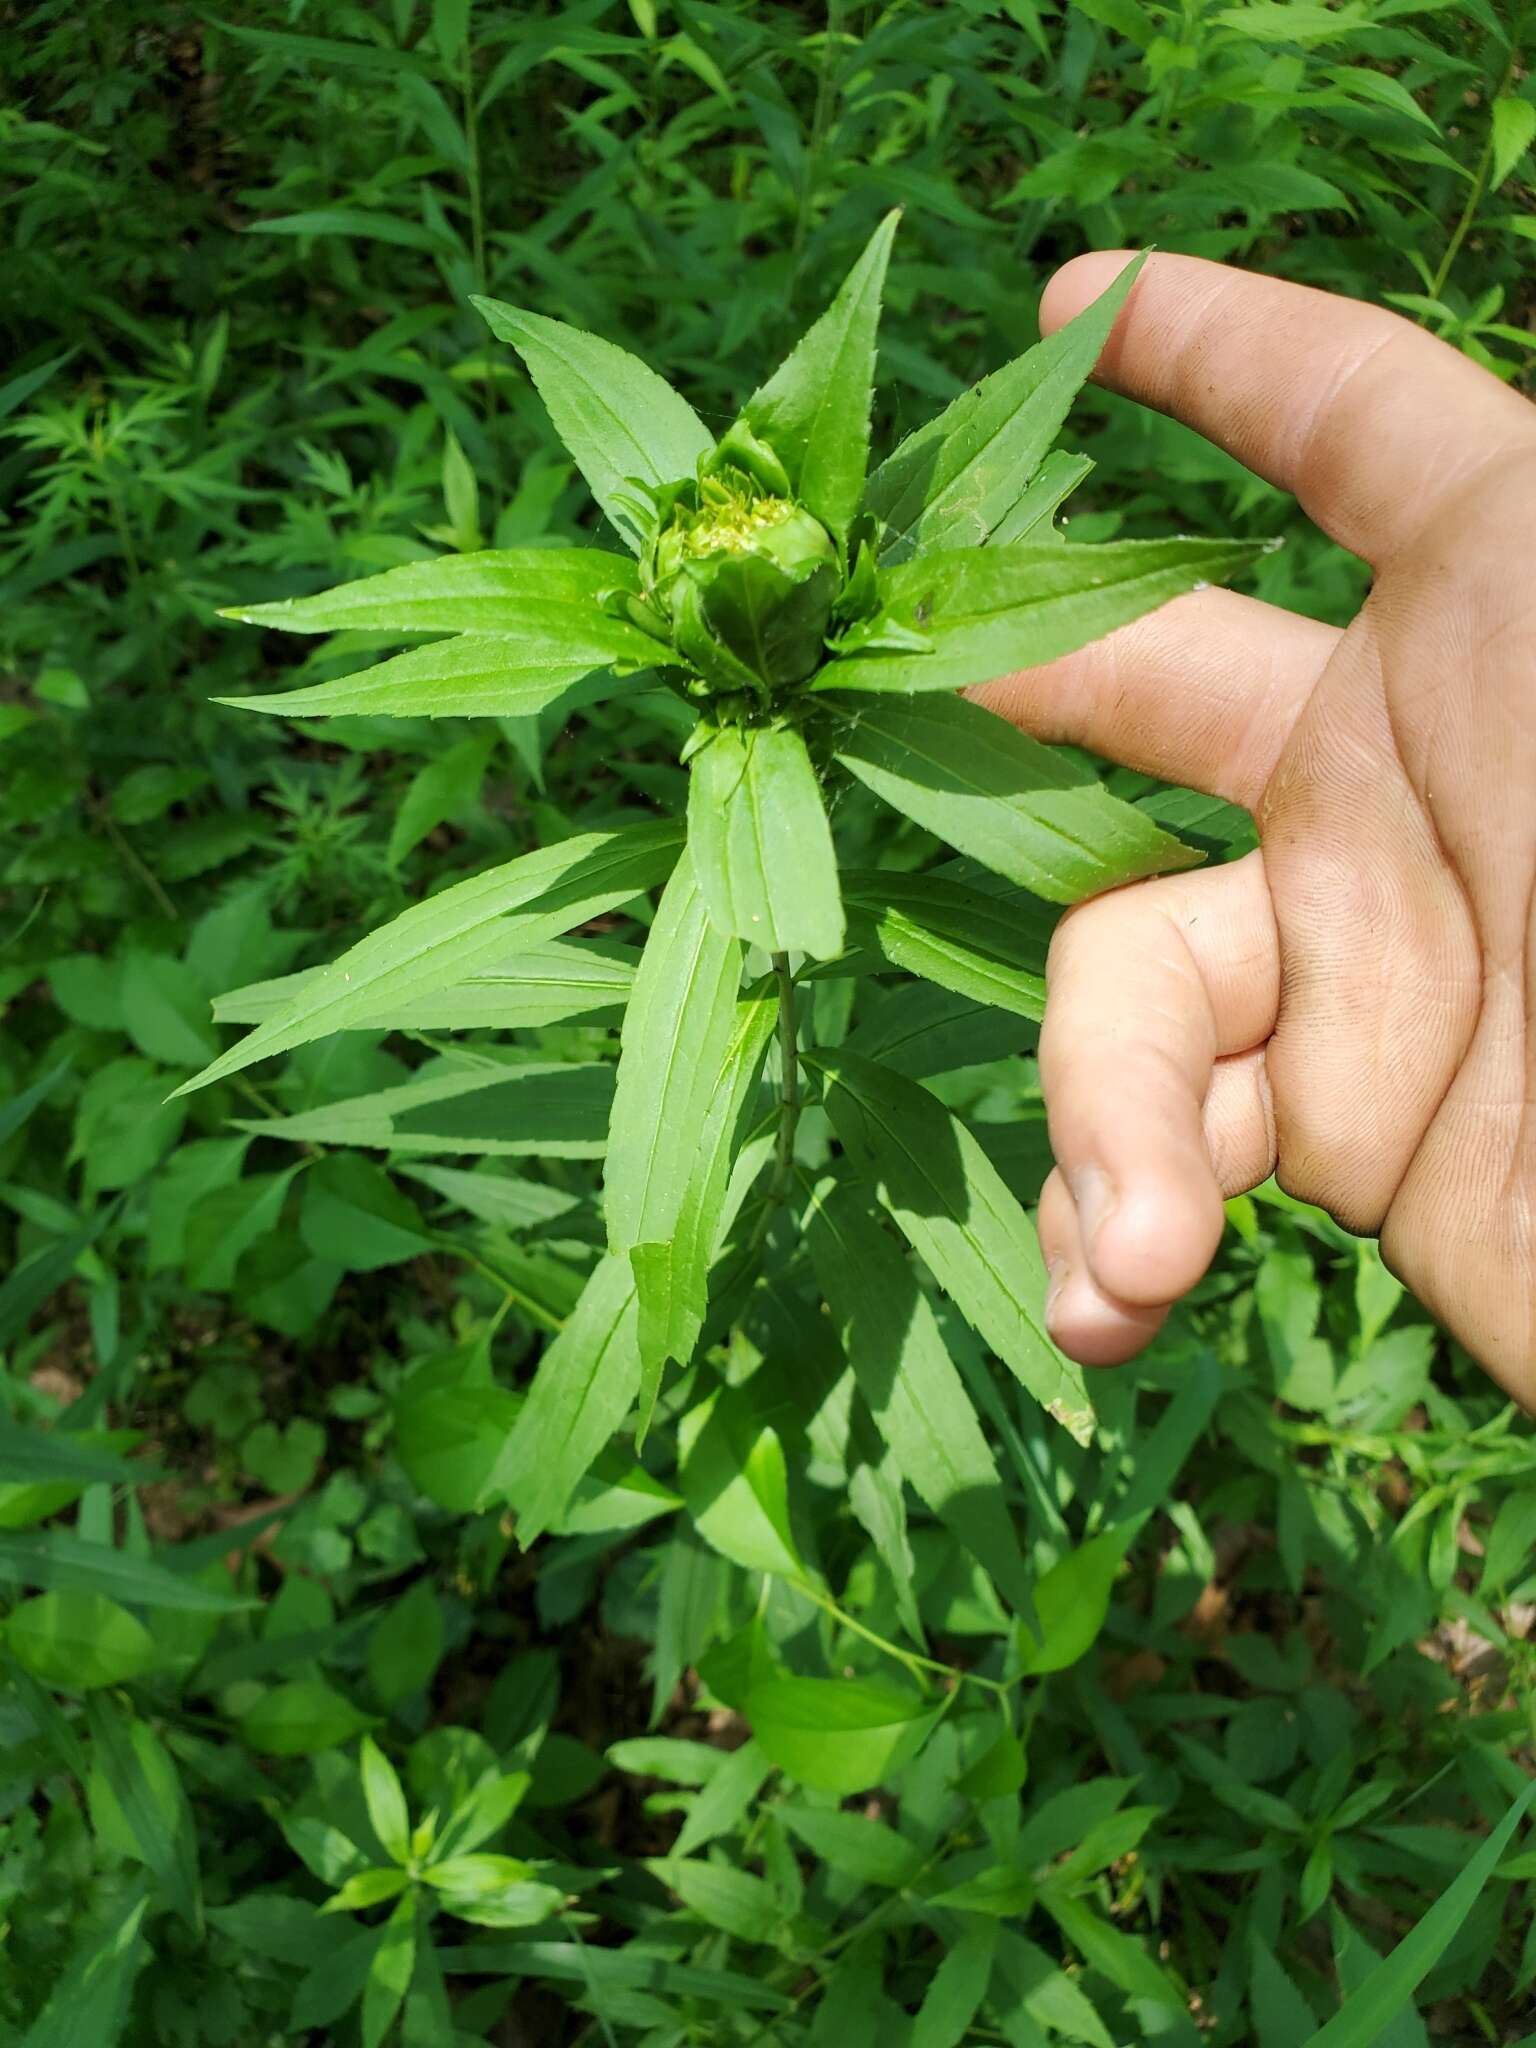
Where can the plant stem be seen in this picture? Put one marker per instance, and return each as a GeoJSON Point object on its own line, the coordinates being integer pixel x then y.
{"type": "Point", "coordinates": [1479, 179]}
{"type": "Point", "coordinates": [913, 1661]}
{"type": "Point", "coordinates": [789, 1081]}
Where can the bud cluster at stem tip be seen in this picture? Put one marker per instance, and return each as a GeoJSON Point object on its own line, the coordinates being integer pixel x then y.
{"type": "Point", "coordinates": [745, 578]}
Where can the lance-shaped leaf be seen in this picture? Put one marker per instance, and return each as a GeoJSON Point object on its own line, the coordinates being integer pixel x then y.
{"type": "Point", "coordinates": [760, 843]}
{"type": "Point", "coordinates": [620, 421]}
{"type": "Point", "coordinates": [987, 611]}
{"type": "Point", "coordinates": [512, 593]}
{"type": "Point", "coordinates": [552, 1110]}
{"type": "Point", "coordinates": [814, 410]}
{"type": "Point", "coordinates": [474, 676]}
{"type": "Point", "coordinates": [1020, 809]}
{"type": "Point", "coordinates": [672, 1275]}
{"type": "Point", "coordinates": [953, 482]}
{"type": "Point", "coordinates": [960, 1218]}
{"type": "Point", "coordinates": [1046, 492]}
{"type": "Point", "coordinates": [541, 985]}
{"type": "Point", "coordinates": [981, 946]}
{"type": "Point", "coordinates": [521, 903]}
{"type": "Point", "coordinates": [680, 1021]}
{"type": "Point", "coordinates": [891, 1338]}
{"type": "Point", "coordinates": [582, 1391]}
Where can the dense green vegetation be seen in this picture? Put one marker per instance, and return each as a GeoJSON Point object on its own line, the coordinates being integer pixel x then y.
{"type": "Point", "coordinates": [265, 1606]}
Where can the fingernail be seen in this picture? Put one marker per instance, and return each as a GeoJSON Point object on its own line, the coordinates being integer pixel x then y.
{"type": "Point", "coordinates": [1094, 1194]}
{"type": "Point", "coordinates": [1059, 1273]}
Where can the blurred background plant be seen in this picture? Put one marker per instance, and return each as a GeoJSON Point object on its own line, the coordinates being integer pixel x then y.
{"type": "Point", "coordinates": [241, 364]}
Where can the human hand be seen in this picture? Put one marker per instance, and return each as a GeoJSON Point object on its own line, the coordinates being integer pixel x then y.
{"type": "Point", "coordinates": [1353, 1006]}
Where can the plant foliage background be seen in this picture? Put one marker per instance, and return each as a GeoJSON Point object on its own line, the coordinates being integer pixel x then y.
{"type": "Point", "coordinates": [270, 1640]}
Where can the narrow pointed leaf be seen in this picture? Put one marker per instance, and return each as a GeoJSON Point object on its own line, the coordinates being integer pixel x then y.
{"type": "Point", "coordinates": [585, 1385]}
{"type": "Point", "coordinates": [469, 1104]}
{"type": "Point", "coordinates": [760, 843]}
{"type": "Point", "coordinates": [385, 1799]}
{"type": "Point", "coordinates": [542, 985]}
{"type": "Point", "coordinates": [892, 1340]}
{"type": "Point", "coordinates": [474, 676]}
{"type": "Point", "coordinates": [977, 945]}
{"type": "Point", "coordinates": [955, 479]}
{"type": "Point", "coordinates": [679, 1023]}
{"type": "Point", "coordinates": [512, 592]}
{"type": "Point", "coordinates": [814, 410]}
{"type": "Point", "coordinates": [616, 416]}
{"type": "Point", "coordinates": [521, 903]}
{"type": "Point", "coordinates": [672, 1276]}
{"type": "Point", "coordinates": [1030, 516]}
{"type": "Point", "coordinates": [987, 611]}
{"type": "Point", "coordinates": [1389, 1988]}
{"type": "Point", "coordinates": [1027, 813]}
{"type": "Point", "coordinates": [960, 1218]}
{"type": "Point", "coordinates": [148, 1792]}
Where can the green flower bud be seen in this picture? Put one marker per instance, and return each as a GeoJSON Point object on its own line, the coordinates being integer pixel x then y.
{"type": "Point", "coordinates": [748, 580]}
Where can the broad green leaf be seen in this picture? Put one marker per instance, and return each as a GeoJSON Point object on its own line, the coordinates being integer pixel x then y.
{"type": "Point", "coordinates": [444, 791]}
{"type": "Point", "coordinates": [988, 611]}
{"type": "Point", "coordinates": [1025, 812]}
{"type": "Point", "coordinates": [549, 984]}
{"type": "Point", "coordinates": [1510, 1553]}
{"type": "Point", "coordinates": [891, 1339]}
{"type": "Point", "coordinates": [390, 1973]}
{"type": "Point", "coordinates": [1514, 130]}
{"type": "Point", "coordinates": [959, 1985]}
{"type": "Point", "coordinates": [78, 1640]}
{"type": "Point", "coordinates": [1282, 2017]}
{"type": "Point", "coordinates": [300, 1718]}
{"type": "Point", "coordinates": [1000, 1890]}
{"type": "Point", "coordinates": [477, 1874]}
{"type": "Point", "coordinates": [475, 676]}
{"type": "Point", "coordinates": [143, 1781]}
{"type": "Point", "coordinates": [998, 1772]}
{"type": "Point", "coordinates": [962, 1221]}
{"type": "Point", "coordinates": [406, 1644]}
{"type": "Point", "coordinates": [677, 1028]}
{"type": "Point", "coordinates": [510, 1201]}
{"type": "Point", "coordinates": [385, 1800]}
{"type": "Point", "coordinates": [855, 1846]}
{"type": "Point", "coordinates": [760, 843]}
{"type": "Point", "coordinates": [732, 1900]}
{"type": "Point", "coordinates": [366, 1888]}
{"type": "Point", "coordinates": [1032, 514]}
{"type": "Point", "coordinates": [1053, 2000]}
{"type": "Point", "coordinates": [460, 932]}
{"type": "Point", "coordinates": [621, 422]}
{"type": "Point", "coordinates": [734, 1480]}
{"type": "Point", "coordinates": [724, 1800]}
{"type": "Point", "coordinates": [585, 1385]}
{"type": "Point", "coordinates": [64, 1562]}
{"type": "Point", "coordinates": [1389, 1988]}
{"type": "Point", "coordinates": [1114, 1955]}
{"type": "Point", "coordinates": [814, 410]}
{"type": "Point", "coordinates": [838, 1734]}
{"type": "Point", "coordinates": [469, 1103]}
{"type": "Point", "coordinates": [672, 1276]}
{"type": "Point", "coordinates": [1072, 1601]}
{"type": "Point", "coordinates": [355, 1216]}
{"type": "Point", "coordinates": [676, 1760]}
{"type": "Point", "coordinates": [976, 945]}
{"type": "Point", "coordinates": [533, 594]}
{"type": "Point", "coordinates": [954, 481]}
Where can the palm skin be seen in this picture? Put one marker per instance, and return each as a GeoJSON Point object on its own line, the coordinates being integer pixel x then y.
{"type": "Point", "coordinates": [1352, 1007]}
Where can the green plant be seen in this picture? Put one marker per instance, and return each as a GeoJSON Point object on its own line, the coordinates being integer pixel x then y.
{"type": "Point", "coordinates": [266, 1346]}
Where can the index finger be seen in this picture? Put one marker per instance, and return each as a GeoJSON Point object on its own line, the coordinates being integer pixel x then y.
{"type": "Point", "coordinates": [1368, 419]}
